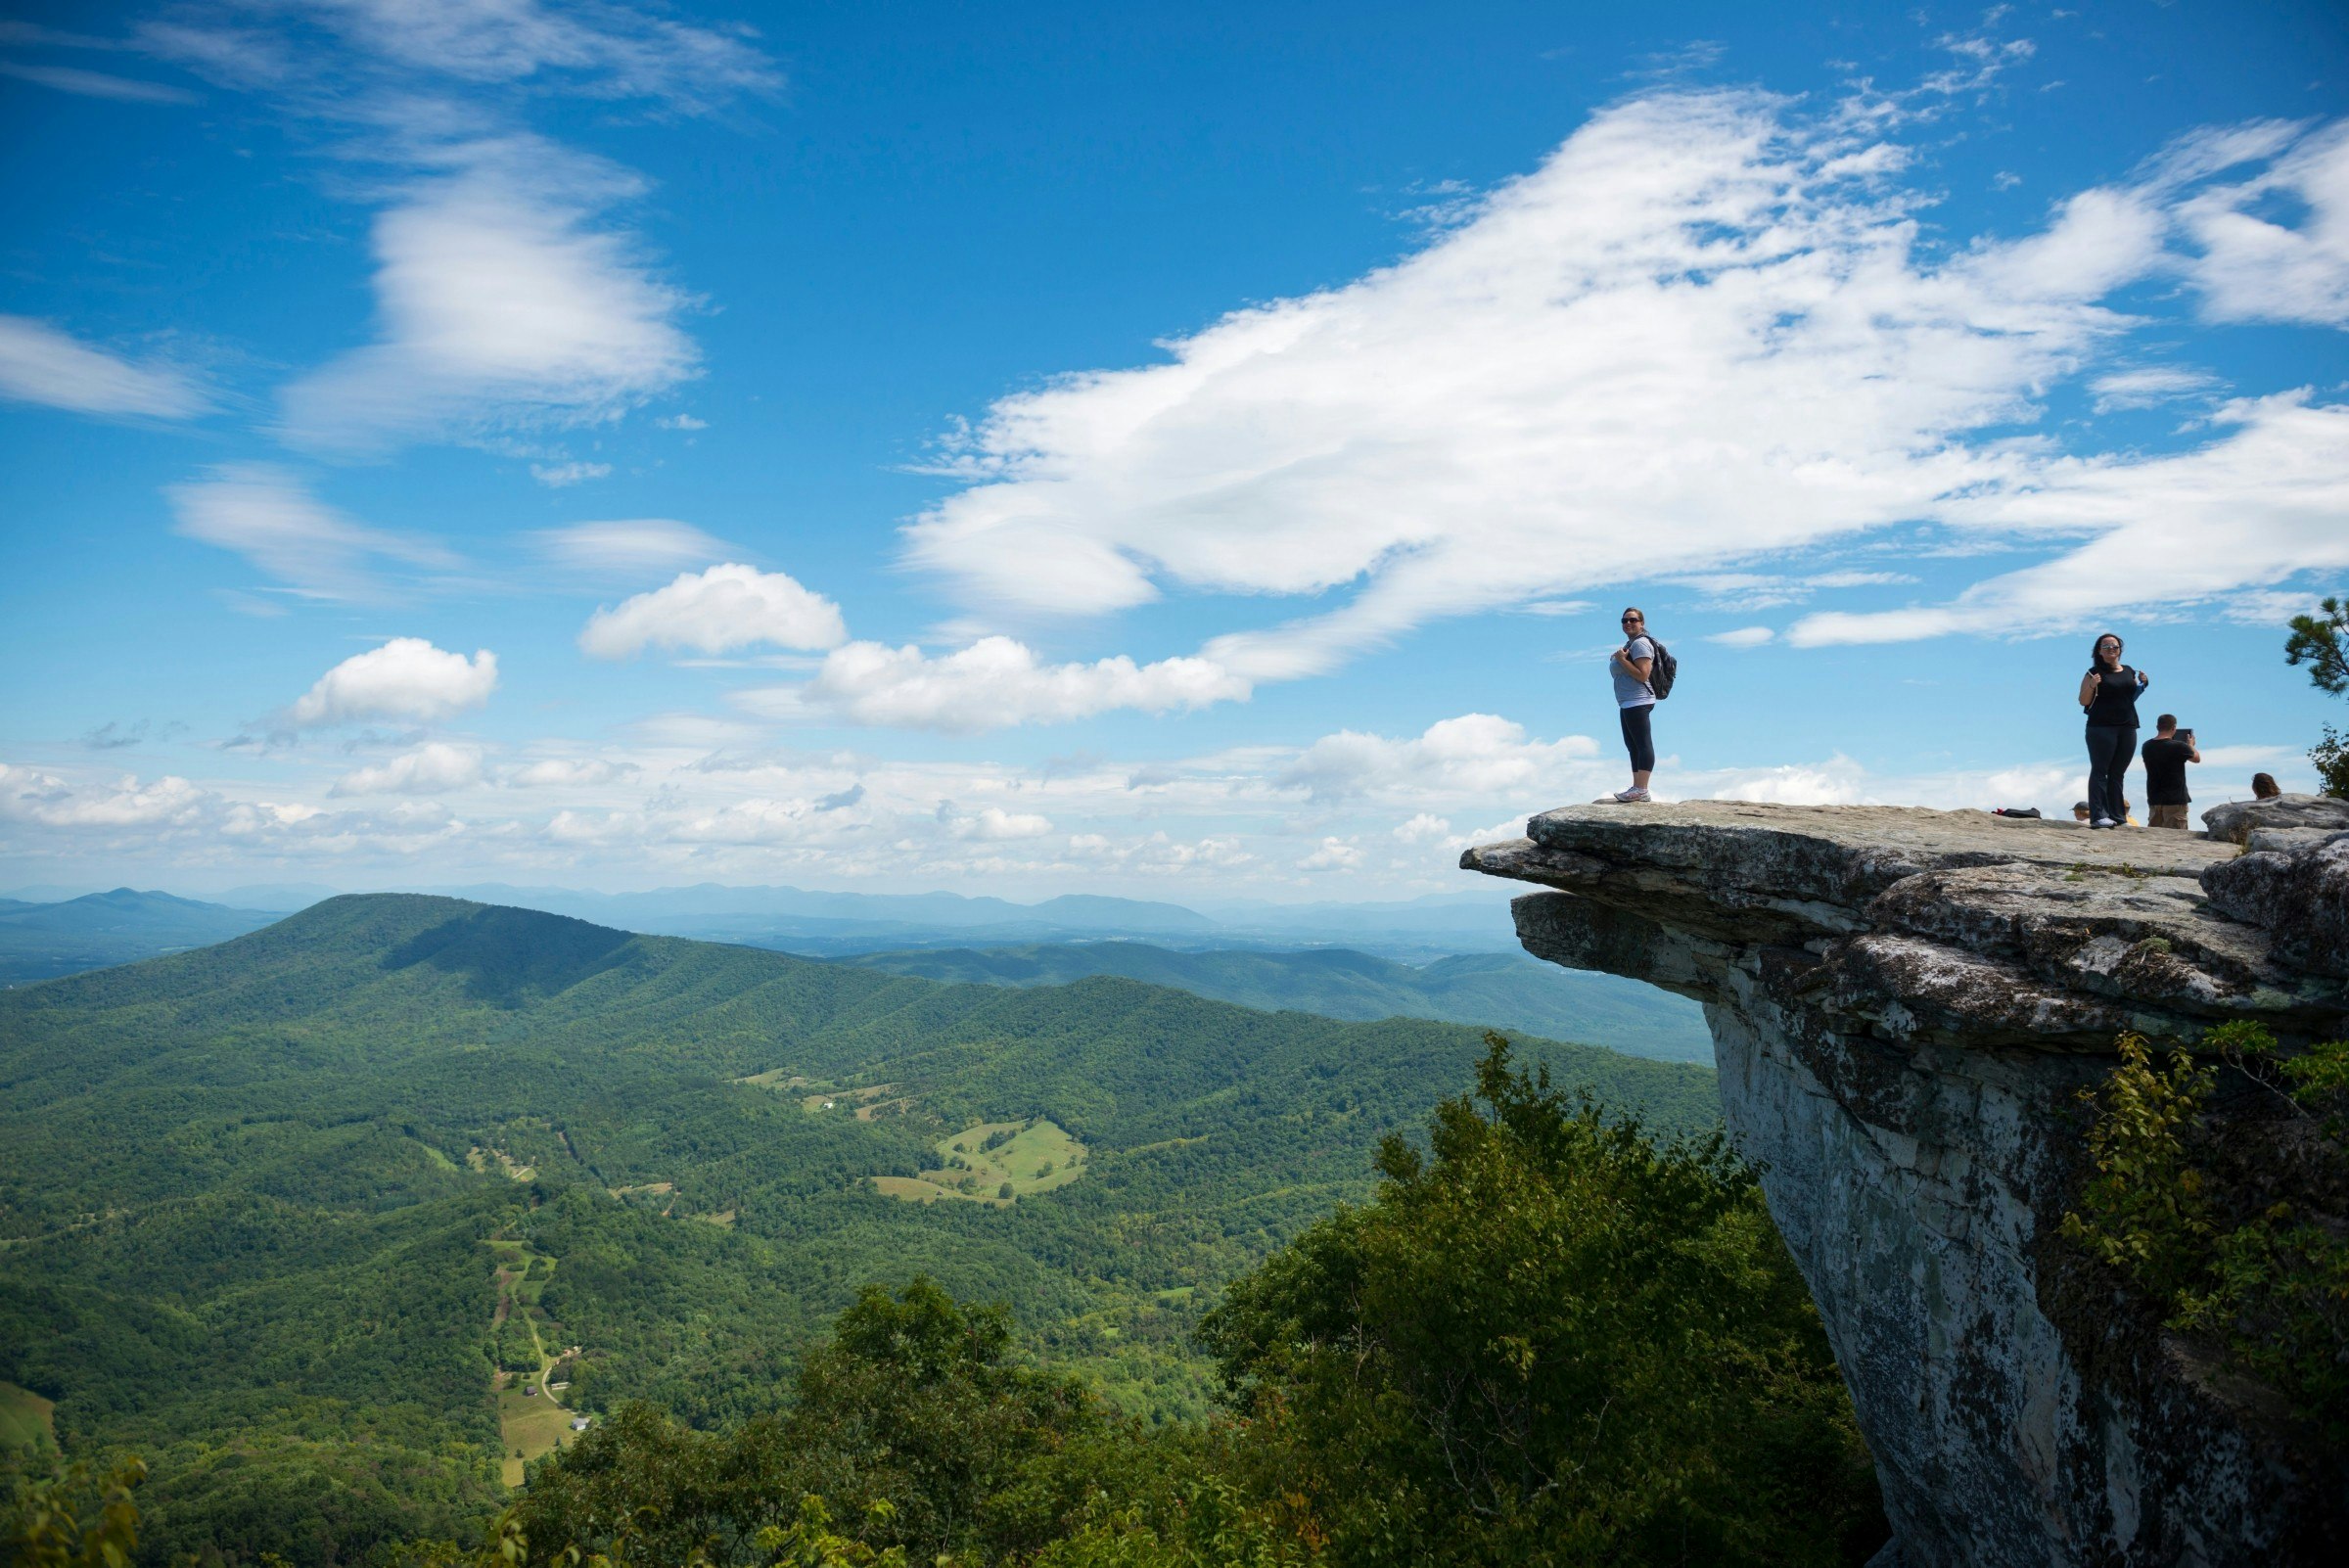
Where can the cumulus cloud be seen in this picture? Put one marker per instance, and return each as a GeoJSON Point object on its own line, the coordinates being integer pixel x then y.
{"type": "Point", "coordinates": [1475, 754]}
{"type": "Point", "coordinates": [997, 681]}
{"type": "Point", "coordinates": [267, 516]}
{"type": "Point", "coordinates": [992, 824]}
{"type": "Point", "coordinates": [1334, 855]}
{"type": "Point", "coordinates": [406, 679]}
{"type": "Point", "coordinates": [627, 545]}
{"type": "Point", "coordinates": [1424, 828]}
{"type": "Point", "coordinates": [568, 772]}
{"type": "Point", "coordinates": [432, 768]}
{"type": "Point", "coordinates": [1638, 360]}
{"type": "Point", "coordinates": [40, 364]}
{"type": "Point", "coordinates": [713, 612]}
{"type": "Point", "coordinates": [503, 301]}
{"type": "Point", "coordinates": [30, 795]}
{"type": "Point", "coordinates": [1743, 637]}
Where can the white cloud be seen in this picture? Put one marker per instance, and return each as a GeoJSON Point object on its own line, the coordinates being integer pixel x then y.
{"type": "Point", "coordinates": [568, 772]}
{"type": "Point", "coordinates": [1474, 755]}
{"type": "Point", "coordinates": [96, 84]}
{"type": "Point", "coordinates": [27, 794]}
{"type": "Point", "coordinates": [557, 476]}
{"type": "Point", "coordinates": [432, 768]}
{"type": "Point", "coordinates": [997, 682]}
{"type": "Point", "coordinates": [2244, 513]}
{"type": "Point", "coordinates": [2257, 266]}
{"type": "Point", "coordinates": [502, 303]}
{"type": "Point", "coordinates": [681, 422]}
{"type": "Point", "coordinates": [712, 611]}
{"type": "Point", "coordinates": [993, 824]}
{"type": "Point", "coordinates": [39, 364]}
{"type": "Point", "coordinates": [266, 515]}
{"type": "Point", "coordinates": [1424, 828]}
{"type": "Point", "coordinates": [1743, 637]}
{"type": "Point", "coordinates": [2149, 386]}
{"type": "Point", "coordinates": [627, 545]}
{"type": "Point", "coordinates": [407, 677]}
{"type": "Point", "coordinates": [597, 50]}
{"type": "Point", "coordinates": [1334, 855]}
{"type": "Point", "coordinates": [1637, 361]}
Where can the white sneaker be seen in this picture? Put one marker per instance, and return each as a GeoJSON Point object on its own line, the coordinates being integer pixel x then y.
{"type": "Point", "coordinates": [1631, 797]}
{"type": "Point", "coordinates": [2104, 822]}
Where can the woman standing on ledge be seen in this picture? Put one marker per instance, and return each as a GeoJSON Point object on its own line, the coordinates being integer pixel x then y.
{"type": "Point", "coordinates": [2108, 696]}
{"type": "Point", "coordinates": [1636, 701]}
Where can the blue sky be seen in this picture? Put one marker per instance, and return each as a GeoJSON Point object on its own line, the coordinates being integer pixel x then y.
{"type": "Point", "coordinates": [1028, 447]}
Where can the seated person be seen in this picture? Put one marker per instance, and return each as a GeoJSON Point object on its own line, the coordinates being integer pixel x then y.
{"type": "Point", "coordinates": [2080, 811]}
{"type": "Point", "coordinates": [2264, 787]}
{"type": "Point", "coordinates": [2166, 755]}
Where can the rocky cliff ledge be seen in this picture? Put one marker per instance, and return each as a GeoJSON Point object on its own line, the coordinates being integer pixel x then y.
{"type": "Point", "coordinates": [1905, 1006]}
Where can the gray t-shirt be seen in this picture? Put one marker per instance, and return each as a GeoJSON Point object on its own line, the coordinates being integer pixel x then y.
{"type": "Point", "coordinates": [1630, 690]}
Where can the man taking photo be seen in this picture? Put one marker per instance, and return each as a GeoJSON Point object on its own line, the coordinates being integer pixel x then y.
{"type": "Point", "coordinates": [2166, 755]}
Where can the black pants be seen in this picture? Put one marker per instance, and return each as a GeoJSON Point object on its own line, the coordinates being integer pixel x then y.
{"type": "Point", "coordinates": [2109, 749]}
{"type": "Point", "coordinates": [1641, 744]}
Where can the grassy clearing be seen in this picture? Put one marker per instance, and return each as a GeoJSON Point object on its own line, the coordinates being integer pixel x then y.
{"type": "Point", "coordinates": [860, 1100]}
{"type": "Point", "coordinates": [480, 1159]}
{"type": "Point", "coordinates": [28, 1421]}
{"type": "Point", "coordinates": [977, 1163]}
{"type": "Point", "coordinates": [777, 1077]}
{"type": "Point", "coordinates": [530, 1426]}
{"type": "Point", "coordinates": [531, 1419]}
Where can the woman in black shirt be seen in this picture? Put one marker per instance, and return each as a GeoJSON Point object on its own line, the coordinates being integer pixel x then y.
{"type": "Point", "coordinates": [2108, 696]}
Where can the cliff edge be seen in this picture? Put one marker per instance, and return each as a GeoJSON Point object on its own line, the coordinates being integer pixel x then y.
{"type": "Point", "coordinates": [1905, 1006]}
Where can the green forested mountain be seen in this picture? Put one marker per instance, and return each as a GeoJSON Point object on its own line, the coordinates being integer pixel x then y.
{"type": "Point", "coordinates": [1496, 990]}
{"type": "Point", "coordinates": [276, 1211]}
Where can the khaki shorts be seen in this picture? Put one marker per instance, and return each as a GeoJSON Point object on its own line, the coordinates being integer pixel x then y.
{"type": "Point", "coordinates": [2169, 816]}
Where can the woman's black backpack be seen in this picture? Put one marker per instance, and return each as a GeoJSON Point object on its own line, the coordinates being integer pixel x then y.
{"type": "Point", "coordinates": [1663, 672]}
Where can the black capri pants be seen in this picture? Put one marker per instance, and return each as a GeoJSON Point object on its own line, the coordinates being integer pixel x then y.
{"type": "Point", "coordinates": [1637, 738]}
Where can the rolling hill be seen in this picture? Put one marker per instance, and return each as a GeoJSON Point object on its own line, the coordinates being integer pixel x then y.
{"type": "Point", "coordinates": [277, 1212]}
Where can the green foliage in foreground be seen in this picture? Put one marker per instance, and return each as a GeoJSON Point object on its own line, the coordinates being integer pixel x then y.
{"type": "Point", "coordinates": [2236, 1234]}
{"type": "Point", "coordinates": [74, 1517]}
{"type": "Point", "coordinates": [1546, 1341]}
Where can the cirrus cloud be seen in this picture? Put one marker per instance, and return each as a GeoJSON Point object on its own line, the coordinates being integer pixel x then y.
{"type": "Point", "coordinates": [40, 364]}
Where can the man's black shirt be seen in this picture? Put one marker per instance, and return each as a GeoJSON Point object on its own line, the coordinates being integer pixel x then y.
{"type": "Point", "coordinates": [2165, 771]}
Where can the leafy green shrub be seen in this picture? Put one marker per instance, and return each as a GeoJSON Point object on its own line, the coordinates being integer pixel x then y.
{"type": "Point", "coordinates": [72, 1517]}
{"type": "Point", "coordinates": [1549, 1339]}
{"type": "Point", "coordinates": [2255, 1260]}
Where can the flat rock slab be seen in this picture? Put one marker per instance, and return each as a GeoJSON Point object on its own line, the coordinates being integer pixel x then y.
{"type": "Point", "coordinates": [1854, 846]}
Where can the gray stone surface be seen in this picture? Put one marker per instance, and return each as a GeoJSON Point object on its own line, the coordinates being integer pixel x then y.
{"type": "Point", "coordinates": [2236, 820]}
{"type": "Point", "coordinates": [1905, 1006]}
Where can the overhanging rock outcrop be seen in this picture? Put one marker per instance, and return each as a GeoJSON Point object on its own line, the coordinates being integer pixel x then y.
{"type": "Point", "coordinates": [1905, 1006]}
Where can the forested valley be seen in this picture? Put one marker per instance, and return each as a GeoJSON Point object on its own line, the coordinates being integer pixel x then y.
{"type": "Point", "coordinates": [407, 1224]}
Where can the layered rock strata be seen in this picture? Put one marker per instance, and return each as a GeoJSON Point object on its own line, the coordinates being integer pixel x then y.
{"type": "Point", "coordinates": [1905, 1006]}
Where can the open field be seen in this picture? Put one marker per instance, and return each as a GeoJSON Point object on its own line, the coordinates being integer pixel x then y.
{"type": "Point", "coordinates": [531, 1421]}
{"type": "Point", "coordinates": [976, 1164]}
{"type": "Point", "coordinates": [531, 1426]}
{"type": "Point", "coordinates": [26, 1421]}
